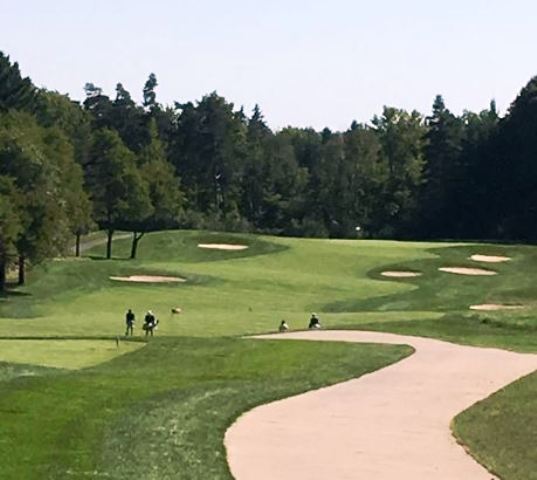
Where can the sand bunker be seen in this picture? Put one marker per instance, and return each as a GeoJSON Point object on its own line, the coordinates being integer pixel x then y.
{"type": "Point", "coordinates": [222, 246]}
{"type": "Point", "coordinates": [490, 258]}
{"type": "Point", "coordinates": [149, 279]}
{"type": "Point", "coordinates": [467, 271]}
{"type": "Point", "coordinates": [400, 274]}
{"type": "Point", "coordinates": [490, 307]}
{"type": "Point", "coordinates": [390, 424]}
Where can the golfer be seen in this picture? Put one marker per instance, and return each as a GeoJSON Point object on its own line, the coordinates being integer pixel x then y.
{"type": "Point", "coordinates": [314, 321]}
{"type": "Point", "coordinates": [129, 320]}
{"type": "Point", "coordinates": [150, 322]}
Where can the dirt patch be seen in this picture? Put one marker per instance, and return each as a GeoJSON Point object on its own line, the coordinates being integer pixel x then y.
{"type": "Point", "coordinates": [400, 274]}
{"type": "Point", "coordinates": [149, 279]}
{"type": "Point", "coordinates": [491, 307]}
{"type": "Point", "coordinates": [490, 258]}
{"type": "Point", "coordinates": [222, 246]}
{"type": "Point", "coordinates": [467, 271]}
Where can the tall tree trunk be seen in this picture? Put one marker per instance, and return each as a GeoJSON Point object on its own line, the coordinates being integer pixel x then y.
{"type": "Point", "coordinates": [110, 234]}
{"type": "Point", "coordinates": [22, 270]}
{"type": "Point", "coordinates": [77, 245]}
{"type": "Point", "coordinates": [135, 239]}
{"type": "Point", "coordinates": [2, 275]}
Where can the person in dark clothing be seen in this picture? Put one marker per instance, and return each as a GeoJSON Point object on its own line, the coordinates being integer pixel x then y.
{"type": "Point", "coordinates": [150, 323]}
{"type": "Point", "coordinates": [129, 320]}
{"type": "Point", "coordinates": [314, 321]}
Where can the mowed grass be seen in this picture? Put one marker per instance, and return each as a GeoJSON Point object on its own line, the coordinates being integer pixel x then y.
{"type": "Point", "coordinates": [501, 431]}
{"type": "Point", "coordinates": [226, 293]}
{"type": "Point", "coordinates": [233, 293]}
{"type": "Point", "coordinates": [161, 412]}
{"type": "Point", "coordinates": [68, 354]}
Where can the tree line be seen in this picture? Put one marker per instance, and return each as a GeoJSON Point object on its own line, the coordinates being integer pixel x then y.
{"type": "Point", "coordinates": [110, 163]}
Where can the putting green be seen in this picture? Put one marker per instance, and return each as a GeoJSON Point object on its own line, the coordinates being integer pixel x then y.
{"type": "Point", "coordinates": [67, 354]}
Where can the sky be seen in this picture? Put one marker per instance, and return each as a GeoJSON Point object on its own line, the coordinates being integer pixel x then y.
{"type": "Point", "coordinates": [306, 63]}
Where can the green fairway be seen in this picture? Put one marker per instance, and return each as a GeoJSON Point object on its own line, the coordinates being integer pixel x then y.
{"type": "Point", "coordinates": [69, 354]}
{"type": "Point", "coordinates": [195, 374]}
{"type": "Point", "coordinates": [226, 293]}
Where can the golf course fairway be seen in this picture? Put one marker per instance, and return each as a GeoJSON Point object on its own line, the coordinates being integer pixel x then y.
{"type": "Point", "coordinates": [158, 408]}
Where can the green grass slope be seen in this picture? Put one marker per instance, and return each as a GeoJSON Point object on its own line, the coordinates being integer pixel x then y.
{"type": "Point", "coordinates": [226, 293]}
{"type": "Point", "coordinates": [161, 411]}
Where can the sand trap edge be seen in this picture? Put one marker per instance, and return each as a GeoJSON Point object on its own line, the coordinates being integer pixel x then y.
{"type": "Point", "coordinates": [222, 246]}
{"type": "Point", "coordinates": [468, 271]}
{"type": "Point", "coordinates": [400, 274]}
{"type": "Point", "coordinates": [149, 279]}
{"type": "Point", "coordinates": [489, 258]}
{"type": "Point", "coordinates": [493, 307]}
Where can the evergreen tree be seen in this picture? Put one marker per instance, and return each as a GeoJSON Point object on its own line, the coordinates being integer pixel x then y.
{"type": "Point", "coordinates": [128, 119]}
{"type": "Point", "coordinates": [442, 167]}
{"type": "Point", "coordinates": [10, 225]}
{"type": "Point", "coordinates": [99, 106]}
{"type": "Point", "coordinates": [512, 163]}
{"type": "Point", "coordinates": [254, 176]}
{"type": "Point", "coordinates": [38, 175]}
{"type": "Point", "coordinates": [119, 193]}
{"type": "Point", "coordinates": [57, 110]}
{"type": "Point", "coordinates": [471, 197]}
{"type": "Point", "coordinates": [285, 187]}
{"type": "Point", "coordinates": [16, 92]}
{"type": "Point", "coordinates": [402, 136]}
{"type": "Point", "coordinates": [208, 151]}
{"type": "Point", "coordinates": [164, 191]}
{"type": "Point", "coordinates": [369, 174]}
{"type": "Point", "coordinates": [77, 205]}
{"type": "Point", "coordinates": [150, 97]}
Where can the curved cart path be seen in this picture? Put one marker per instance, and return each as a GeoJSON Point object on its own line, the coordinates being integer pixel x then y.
{"type": "Point", "coordinates": [391, 424]}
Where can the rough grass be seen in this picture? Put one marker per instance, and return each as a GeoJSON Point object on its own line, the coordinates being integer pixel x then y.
{"type": "Point", "coordinates": [501, 431]}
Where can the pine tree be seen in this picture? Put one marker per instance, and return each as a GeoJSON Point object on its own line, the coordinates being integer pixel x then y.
{"type": "Point", "coordinates": [15, 92]}
{"type": "Point", "coordinates": [119, 193]}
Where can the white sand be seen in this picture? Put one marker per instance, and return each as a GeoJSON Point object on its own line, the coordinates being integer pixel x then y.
{"type": "Point", "coordinates": [400, 274]}
{"type": "Point", "coordinates": [222, 246]}
{"type": "Point", "coordinates": [148, 279]}
{"type": "Point", "coordinates": [467, 271]}
{"type": "Point", "coordinates": [489, 258]}
{"type": "Point", "coordinates": [391, 424]}
{"type": "Point", "coordinates": [489, 307]}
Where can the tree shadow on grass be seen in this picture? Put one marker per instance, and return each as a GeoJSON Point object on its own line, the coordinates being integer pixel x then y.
{"type": "Point", "coordinates": [101, 258]}
{"type": "Point", "coordinates": [12, 293]}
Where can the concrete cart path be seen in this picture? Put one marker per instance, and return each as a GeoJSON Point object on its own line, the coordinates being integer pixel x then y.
{"type": "Point", "coordinates": [390, 424]}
